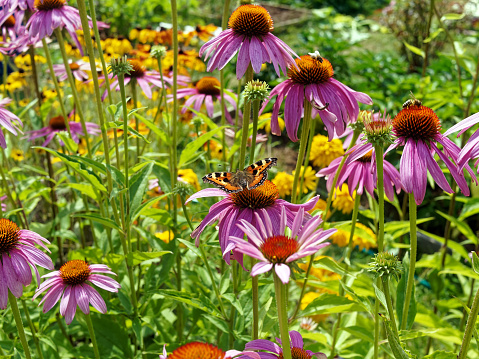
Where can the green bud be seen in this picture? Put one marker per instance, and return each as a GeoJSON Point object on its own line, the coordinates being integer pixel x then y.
{"type": "Point", "coordinates": [158, 51]}
{"type": "Point", "coordinates": [256, 90]}
{"type": "Point", "coordinates": [386, 264]}
{"type": "Point", "coordinates": [120, 65]}
{"type": "Point", "coordinates": [183, 189]}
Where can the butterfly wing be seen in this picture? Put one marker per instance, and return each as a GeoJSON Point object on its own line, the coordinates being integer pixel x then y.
{"type": "Point", "coordinates": [222, 180]}
{"type": "Point", "coordinates": [260, 171]}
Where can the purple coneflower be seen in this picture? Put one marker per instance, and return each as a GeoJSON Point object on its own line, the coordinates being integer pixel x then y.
{"type": "Point", "coordinates": [204, 351]}
{"type": "Point", "coordinates": [205, 91]}
{"type": "Point", "coordinates": [11, 5]}
{"type": "Point", "coordinates": [272, 248]}
{"type": "Point", "coordinates": [11, 24]}
{"type": "Point", "coordinates": [71, 284]}
{"type": "Point", "coordinates": [18, 256]}
{"type": "Point", "coordinates": [52, 14]}
{"type": "Point", "coordinates": [417, 129]}
{"type": "Point", "coordinates": [144, 78]}
{"type": "Point", "coordinates": [8, 120]}
{"type": "Point", "coordinates": [249, 33]}
{"type": "Point", "coordinates": [57, 124]}
{"type": "Point", "coordinates": [359, 170]}
{"type": "Point", "coordinates": [270, 350]}
{"type": "Point", "coordinates": [243, 205]}
{"type": "Point", "coordinates": [260, 137]}
{"type": "Point", "coordinates": [3, 205]}
{"type": "Point", "coordinates": [77, 68]}
{"type": "Point", "coordinates": [471, 148]}
{"type": "Point", "coordinates": [337, 103]}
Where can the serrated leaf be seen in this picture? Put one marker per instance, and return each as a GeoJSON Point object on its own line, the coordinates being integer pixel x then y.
{"type": "Point", "coordinates": [135, 258]}
{"type": "Point", "coordinates": [394, 343]}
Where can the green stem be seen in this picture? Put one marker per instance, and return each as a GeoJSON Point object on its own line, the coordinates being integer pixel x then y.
{"type": "Point", "coordinates": [137, 122]}
{"type": "Point", "coordinates": [347, 259]}
{"type": "Point", "coordinates": [380, 174]}
{"type": "Point", "coordinates": [389, 303]}
{"type": "Point", "coordinates": [336, 176]}
{"type": "Point", "coordinates": [256, 104]}
{"type": "Point", "coordinates": [224, 24]}
{"type": "Point", "coordinates": [71, 79]}
{"type": "Point", "coordinates": [412, 263]}
{"type": "Point", "coordinates": [308, 152]}
{"type": "Point", "coordinates": [376, 325]}
{"type": "Point", "coordinates": [281, 302]}
{"type": "Point", "coordinates": [32, 329]}
{"type": "Point", "coordinates": [295, 197]}
{"type": "Point", "coordinates": [246, 118]}
{"type": "Point", "coordinates": [471, 321]}
{"type": "Point", "coordinates": [18, 321]}
{"type": "Point", "coordinates": [254, 290]}
{"type": "Point", "coordinates": [92, 335]}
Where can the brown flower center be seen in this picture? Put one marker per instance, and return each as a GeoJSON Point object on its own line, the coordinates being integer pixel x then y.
{"type": "Point", "coordinates": [10, 22]}
{"type": "Point", "coordinates": [45, 5]}
{"type": "Point", "coordinates": [74, 66]}
{"type": "Point", "coordinates": [261, 197]}
{"type": "Point", "coordinates": [9, 233]}
{"type": "Point", "coordinates": [208, 86]}
{"type": "Point", "coordinates": [251, 20]}
{"type": "Point", "coordinates": [367, 157]}
{"type": "Point", "coordinates": [75, 272]}
{"type": "Point", "coordinates": [416, 122]}
{"type": "Point", "coordinates": [138, 68]}
{"type": "Point", "coordinates": [277, 249]}
{"type": "Point", "coordinates": [312, 71]}
{"type": "Point", "coordinates": [196, 350]}
{"type": "Point", "coordinates": [57, 123]}
{"type": "Point", "coordinates": [297, 353]}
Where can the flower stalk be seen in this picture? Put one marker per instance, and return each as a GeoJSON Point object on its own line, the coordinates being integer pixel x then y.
{"type": "Point", "coordinates": [471, 323]}
{"type": "Point", "coordinates": [281, 303]}
{"type": "Point", "coordinates": [92, 335]}
{"type": "Point", "coordinates": [18, 321]}
{"type": "Point", "coordinates": [246, 118]}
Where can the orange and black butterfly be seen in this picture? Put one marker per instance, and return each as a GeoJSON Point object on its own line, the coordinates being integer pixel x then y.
{"type": "Point", "coordinates": [251, 177]}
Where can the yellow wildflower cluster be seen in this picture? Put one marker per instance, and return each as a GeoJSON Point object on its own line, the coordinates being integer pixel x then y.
{"type": "Point", "coordinates": [284, 181]}
{"type": "Point", "coordinates": [323, 152]}
{"type": "Point", "coordinates": [15, 81]}
{"type": "Point", "coordinates": [267, 125]}
{"type": "Point", "coordinates": [166, 236]}
{"type": "Point", "coordinates": [364, 237]}
{"type": "Point", "coordinates": [24, 62]}
{"type": "Point", "coordinates": [342, 200]}
{"type": "Point", "coordinates": [189, 176]}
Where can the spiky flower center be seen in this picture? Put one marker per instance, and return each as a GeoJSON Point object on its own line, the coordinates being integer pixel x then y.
{"type": "Point", "coordinates": [261, 197]}
{"type": "Point", "coordinates": [45, 5]}
{"type": "Point", "coordinates": [75, 272]}
{"type": "Point", "coordinates": [9, 233]}
{"type": "Point", "coordinates": [416, 122]}
{"type": "Point", "coordinates": [74, 66]}
{"type": "Point", "coordinates": [297, 353]}
{"type": "Point", "coordinates": [277, 249]}
{"type": "Point", "coordinates": [367, 157]}
{"type": "Point", "coordinates": [208, 85]}
{"type": "Point", "coordinates": [57, 123]}
{"type": "Point", "coordinates": [10, 22]}
{"type": "Point", "coordinates": [138, 68]}
{"type": "Point", "coordinates": [251, 20]}
{"type": "Point", "coordinates": [312, 71]}
{"type": "Point", "coordinates": [196, 350]}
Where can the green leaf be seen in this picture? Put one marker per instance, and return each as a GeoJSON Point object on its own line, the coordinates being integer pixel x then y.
{"type": "Point", "coordinates": [394, 342]}
{"type": "Point", "coordinates": [471, 207]}
{"type": "Point", "coordinates": [330, 264]}
{"type": "Point", "coordinates": [401, 294]}
{"type": "Point", "coordinates": [475, 262]}
{"type": "Point", "coordinates": [71, 145]}
{"type": "Point", "coordinates": [330, 303]}
{"type": "Point", "coordinates": [138, 185]}
{"type": "Point", "coordinates": [462, 226]}
{"type": "Point", "coordinates": [78, 167]}
{"type": "Point", "coordinates": [360, 332]}
{"type": "Point", "coordinates": [146, 205]}
{"type": "Point", "coordinates": [441, 354]}
{"type": "Point", "coordinates": [135, 258]}
{"type": "Point", "coordinates": [455, 247]}
{"type": "Point", "coordinates": [137, 134]}
{"type": "Point", "coordinates": [109, 334]}
{"type": "Point", "coordinates": [433, 35]}
{"type": "Point", "coordinates": [380, 295]}
{"type": "Point", "coordinates": [102, 220]}
{"type": "Point", "coordinates": [414, 49]}
{"type": "Point", "coordinates": [190, 149]}
{"type": "Point", "coordinates": [159, 132]}
{"type": "Point", "coordinates": [85, 189]}
{"type": "Point", "coordinates": [190, 300]}
{"type": "Point", "coordinates": [453, 16]}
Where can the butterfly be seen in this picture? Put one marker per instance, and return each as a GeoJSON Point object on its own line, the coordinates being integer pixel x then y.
{"type": "Point", "coordinates": [251, 177]}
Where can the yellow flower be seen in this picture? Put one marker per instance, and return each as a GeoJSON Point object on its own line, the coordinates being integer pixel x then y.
{"type": "Point", "coordinates": [134, 34]}
{"type": "Point", "coordinates": [267, 125]}
{"type": "Point", "coordinates": [364, 237]}
{"type": "Point", "coordinates": [342, 200]}
{"type": "Point", "coordinates": [15, 81]}
{"type": "Point", "coordinates": [324, 152]}
{"type": "Point", "coordinates": [310, 179]}
{"type": "Point", "coordinates": [340, 238]}
{"type": "Point", "coordinates": [73, 50]}
{"type": "Point", "coordinates": [17, 155]}
{"type": "Point", "coordinates": [24, 62]}
{"type": "Point", "coordinates": [166, 236]}
{"type": "Point", "coordinates": [216, 149]}
{"type": "Point", "coordinates": [284, 183]}
{"type": "Point", "coordinates": [189, 176]}
{"type": "Point", "coordinates": [321, 205]}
